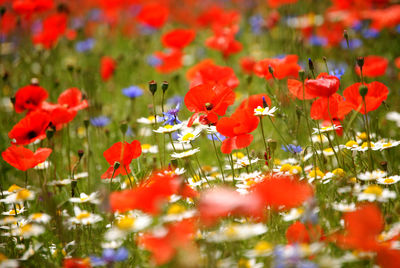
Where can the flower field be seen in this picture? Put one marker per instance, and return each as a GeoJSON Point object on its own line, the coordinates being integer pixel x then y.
{"type": "Point", "coordinates": [187, 133]}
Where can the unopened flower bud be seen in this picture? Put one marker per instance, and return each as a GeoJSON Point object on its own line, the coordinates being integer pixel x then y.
{"type": "Point", "coordinates": [153, 87]}
{"type": "Point", "coordinates": [164, 86]}
{"type": "Point", "coordinates": [80, 154]}
{"type": "Point", "coordinates": [310, 64]}
{"type": "Point", "coordinates": [116, 165]}
{"type": "Point", "coordinates": [360, 62]}
{"type": "Point", "coordinates": [363, 90]}
{"type": "Point", "coordinates": [302, 75]}
{"type": "Point", "coordinates": [123, 127]}
{"type": "Point", "coordinates": [34, 81]}
{"type": "Point", "coordinates": [270, 69]}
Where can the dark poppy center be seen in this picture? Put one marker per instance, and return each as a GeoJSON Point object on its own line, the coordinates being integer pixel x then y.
{"type": "Point", "coordinates": [209, 106]}
{"type": "Point", "coordinates": [31, 134]}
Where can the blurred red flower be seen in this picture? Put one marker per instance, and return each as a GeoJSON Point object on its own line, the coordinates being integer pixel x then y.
{"type": "Point", "coordinates": [208, 101]}
{"type": "Point", "coordinates": [123, 153]}
{"type": "Point", "coordinates": [153, 14]}
{"type": "Point", "coordinates": [29, 98]}
{"type": "Point", "coordinates": [107, 67]}
{"type": "Point", "coordinates": [171, 60]}
{"type": "Point", "coordinates": [53, 27]}
{"type": "Point", "coordinates": [178, 38]}
{"type": "Point", "coordinates": [302, 233]}
{"type": "Point", "coordinates": [23, 159]}
{"type": "Point", "coordinates": [323, 86]}
{"type": "Point", "coordinates": [72, 99]}
{"type": "Point", "coordinates": [179, 236]}
{"type": "Point", "coordinates": [30, 128]}
{"type": "Point", "coordinates": [377, 93]}
{"type": "Point", "coordinates": [224, 41]}
{"type": "Point", "coordinates": [282, 68]}
{"type": "Point", "coordinates": [338, 108]}
{"type": "Point", "coordinates": [151, 194]}
{"type": "Point", "coordinates": [373, 66]}
{"type": "Point", "coordinates": [237, 129]}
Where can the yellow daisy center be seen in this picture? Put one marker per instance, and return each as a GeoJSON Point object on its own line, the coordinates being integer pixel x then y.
{"type": "Point", "coordinates": [176, 209]}
{"type": "Point", "coordinates": [14, 188]}
{"type": "Point", "coordinates": [388, 180]}
{"type": "Point", "coordinates": [23, 194]}
{"type": "Point", "coordinates": [187, 137]}
{"type": "Point", "coordinates": [351, 143]}
{"type": "Point", "coordinates": [146, 146]}
{"type": "Point", "coordinates": [262, 246]}
{"type": "Point", "coordinates": [125, 223]}
{"type": "Point", "coordinates": [83, 215]}
{"type": "Point", "coordinates": [374, 189]}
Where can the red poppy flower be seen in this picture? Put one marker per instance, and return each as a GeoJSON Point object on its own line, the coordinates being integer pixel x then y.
{"type": "Point", "coordinates": [28, 7]}
{"type": "Point", "coordinates": [29, 98]}
{"type": "Point", "coordinates": [207, 72]}
{"type": "Point", "coordinates": [53, 27]}
{"type": "Point", "coordinates": [107, 67]}
{"type": "Point", "coordinates": [208, 101]}
{"type": "Point", "coordinates": [278, 3]}
{"type": "Point", "coordinates": [76, 263]}
{"type": "Point", "coordinates": [254, 101]}
{"type": "Point", "coordinates": [180, 236]}
{"type": "Point", "coordinates": [303, 233]}
{"type": "Point", "coordinates": [122, 153]}
{"type": "Point", "coordinates": [285, 67]}
{"type": "Point", "coordinates": [377, 93]}
{"type": "Point", "coordinates": [374, 66]}
{"type": "Point", "coordinates": [283, 192]}
{"type": "Point", "coordinates": [362, 228]}
{"type": "Point", "coordinates": [224, 41]}
{"type": "Point", "coordinates": [324, 86]}
{"type": "Point", "coordinates": [218, 17]}
{"type": "Point", "coordinates": [178, 38]}
{"type": "Point", "coordinates": [72, 99]}
{"type": "Point", "coordinates": [23, 159]}
{"type": "Point", "coordinates": [388, 257]}
{"type": "Point", "coordinates": [222, 202]}
{"type": "Point", "coordinates": [30, 128]}
{"type": "Point", "coordinates": [338, 108]}
{"type": "Point", "coordinates": [60, 116]}
{"type": "Point", "coordinates": [8, 22]}
{"type": "Point", "coordinates": [237, 129]}
{"type": "Point", "coordinates": [151, 194]}
{"type": "Point", "coordinates": [153, 14]}
{"type": "Point", "coordinates": [296, 88]}
{"type": "Point", "coordinates": [170, 60]}
{"type": "Point", "coordinates": [247, 64]}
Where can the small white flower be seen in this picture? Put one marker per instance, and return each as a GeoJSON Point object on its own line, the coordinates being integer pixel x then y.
{"type": "Point", "coordinates": [83, 217]}
{"type": "Point", "coordinates": [84, 198]}
{"type": "Point", "coordinates": [39, 217]}
{"type": "Point", "coordinates": [371, 176]}
{"type": "Point", "coordinates": [373, 193]}
{"type": "Point", "coordinates": [168, 128]}
{"type": "Point", "coordinates": [326, 129]}
{"type": "Point", "coordinates": [388, 180]}
{"type": "Point", "coordinates": [148, 148]}
{"type": "Point", "coordinates": [125, 224]}
{"type": "Point", "coordinates": [185, 154]}
{"type": "Point", "coordinates": [293, 214]}
{"type": "Point", "coordinates": [189, 135]}
{"type": "Point", "coordinates": [235, 232]}
{"type": "Point", "coordinates": [344, 207]}
{"type": "Point", "coordinates": [149, 120]}
{"type": "Point", "coordinates": [260, 111]}
{"type": "Point", "coordinates": [28, 230]}
{"type": "Point", "coordinates": [394, 116]}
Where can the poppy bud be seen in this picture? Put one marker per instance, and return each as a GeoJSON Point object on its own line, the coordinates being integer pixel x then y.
{"type": "Point", "coordinates": [209, 106]}
{"type": "Point", "coordinates": [360, 62]}
{"type": "Point", "coordinates": [363, 90]}
{"type": "Point", "coordinates": [164, 86]}
{"type": "Point", "coordinates": [80, 154]}
{"type": "Point", "coordinates": [302, 75]}
{"type": "Point", "coordinates": [12, 99]}
{"type": "Point", "coordinates": [346, 36]}
{"type": "Point", "coordinates": [270, 70]}
{"type": "Point", "coordinates": [310, 64]}
{"type": "Point", "coordinates": [116, 165]}
{"type": "Point", "coordinates": [174, 163]}
{"type": "Point", "coordinates": [383, 165]}
{"type": "Point", "coordinates": [272, 144]}
{"type": "Point", "coordinates": [50, 133]}
{"type": "Point", "coordinates": [123, 127]}
{"type": "Point", "coordinates": [86, 122]}
{"type": "Point", "coordinates": [2, 11]}
{"type": "Point", "coordinates": [34, 81]}
{"type": "Point", "coordinates": [153, 87]}
{"type": "Point", "coordinates": [265, 104]}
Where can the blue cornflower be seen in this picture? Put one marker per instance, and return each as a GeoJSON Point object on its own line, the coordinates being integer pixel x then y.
{"type": "Point", "coordinates": [316, 40]}
{"type": "Point", "coordinates": [132, 92]}
{"type": "Point", "coordinates": [85, 45]}
{"type": "Point", "coordinates": [398, 28]}
{"type": "Point", "coordinates": [95, 14]}
{"type": "Point", "coordinates": [175, 100]}
{"type": "Point", "coordinates": [295, 149]}
{"type": "Point", "coordinates": [216, 136]}
{"type": "Point", "coordinates": [100, 121]}
{"type": "Point", "coordinates": [110, 256]}
{"type": "Point", "coordinates": [353, 43]}
{"type": "Point", "coordinates": [154, 61]}
{"type": "Point", "coordinates": [256, 23]}
{"type": "Point", "coordinates": [370, 33]}
{"type": "Point", "coordinates": [146, 29]}
{"type": "Point", "coordinates": [171, 116]}
{"type": "Point", "coordinates": [337, 72]}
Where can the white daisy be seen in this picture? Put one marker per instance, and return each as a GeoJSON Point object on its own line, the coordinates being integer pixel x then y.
{"type": "Point", "coordinates": [388, 180]}
{"type": "Point", "coordinates": [260, 111]}
{"type": "Point", "coordinates": [83, 217]}
{"type": "Point", "coordinates": [84, 198]}
{"type": "Point", "coordinates": [326, 129]}
{"type": "Point", "coordinates": [235, 232]}
{"type": "Point", "coordinates": [168, 128]}
{"type": "Point", "coordinates": [185, 154]}
{"type": "Point", "coordinates": [371, 176]}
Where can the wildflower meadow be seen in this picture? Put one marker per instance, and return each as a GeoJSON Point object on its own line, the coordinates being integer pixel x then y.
{"type": "Point", "coordinates": [200, 133]}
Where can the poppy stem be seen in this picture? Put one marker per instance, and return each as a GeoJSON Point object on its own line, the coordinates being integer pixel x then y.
{"type": "Point", "coordinates": [68, 150]}
{"type": "Point", "coordinates": [248, 156]}
{"type": "Point", "coordinates": [232, 168]}
{"type": "Point", "coordinates": [155, 126]}
{"type": "Point", "coordinates": [371, 163]}
{"type": "Point", "coordinates": [263, 135]}
{"type": "Point", "coordinates": [219, 161]}
{"type": "Point", "coordinates": [335, 135]}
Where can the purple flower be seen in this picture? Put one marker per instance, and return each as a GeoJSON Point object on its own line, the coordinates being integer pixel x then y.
{"type": "Point", "coordinates": [110, 256]}
{"type": "Point", "coordinates": [132, 92]}
{"type": "Point", "coordinates": [100, 121]}
{"type": "Point", "coordinates": [85, 45]}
